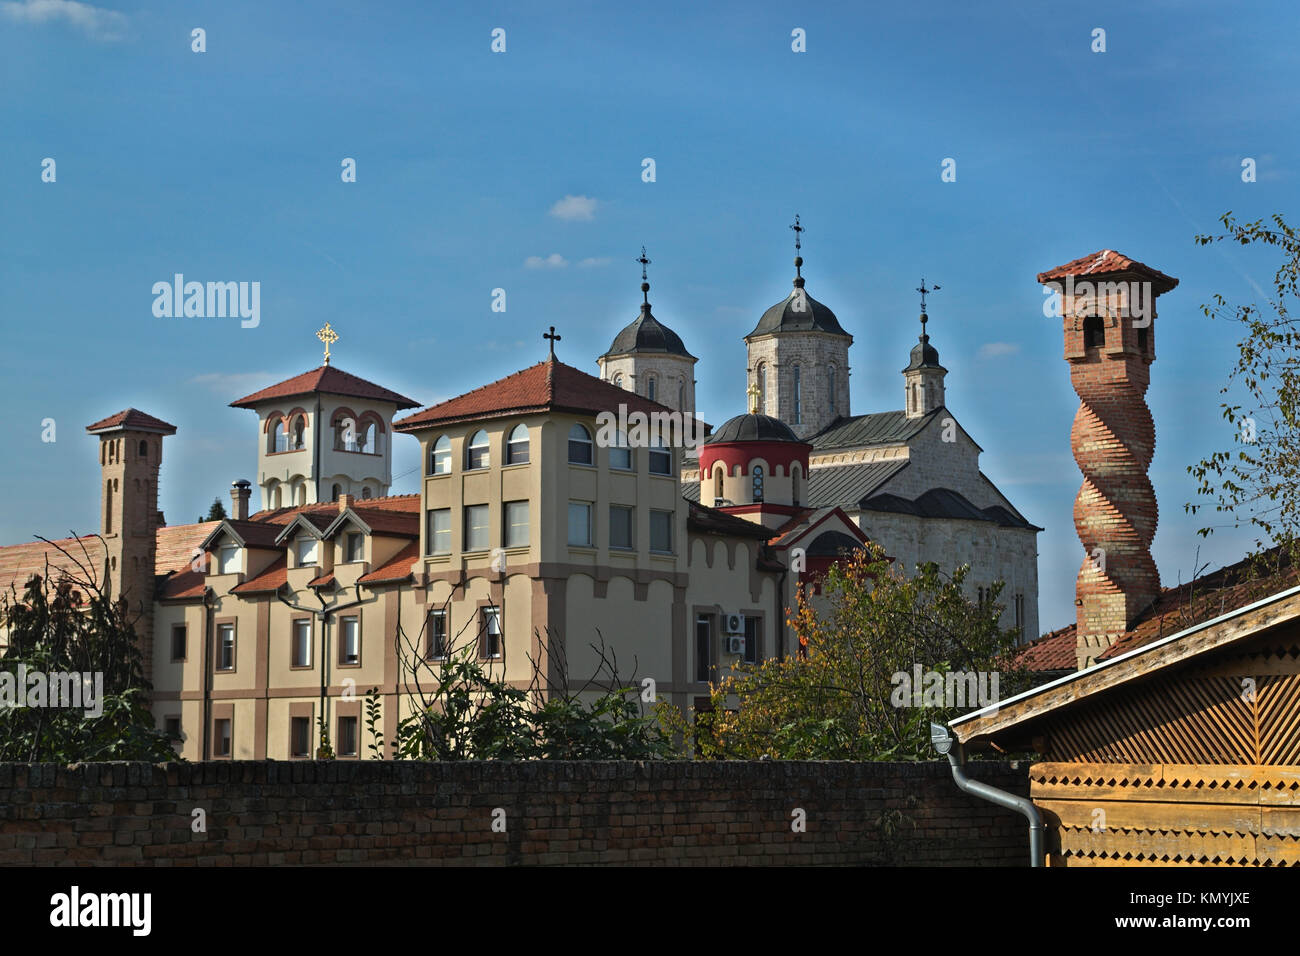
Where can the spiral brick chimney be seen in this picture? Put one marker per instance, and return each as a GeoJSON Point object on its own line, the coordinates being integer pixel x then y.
{"type": "Point", "coordinates": [1107, 306]}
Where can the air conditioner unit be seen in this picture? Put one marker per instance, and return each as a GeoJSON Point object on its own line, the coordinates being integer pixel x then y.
{"type": "Point", "coordinates": [733, 624]}
{"type": "Point", "coordinates": [734, 645]}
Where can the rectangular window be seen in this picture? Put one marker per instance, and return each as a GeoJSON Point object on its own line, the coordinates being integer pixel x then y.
{"type": "Point", "coordinates": [172, 727]}
{"type": "Point", "coordinates": [178, 642]}
{"type": "Point", "coordinates": [350, 640]}
{"type": "Point", "coordinates": [228, 560]}
{"type": "Point", "coordinates": [620, 526]}
{"type": "Point", "coordinates": [306, 551]}
{"type": "Point", "coordinates": [620, 457]}
{"type": "Point", "coordinates": [490, 630]}
{"type": "Point", "coordinates": [225, 647]}
{"type": "Point", "coordinates": [753, 634]}
{"type": "Point", "coordinates": [516, 530]}
{"type": "Point", "coordinates": [661, 461]}
{"type": "Point", "coordinates": [437, 643]}
{"type": "Point", "coordinates": [1020, 611]}
{"type": "Point", "coordinates": [222, 737]}
{"type": "Point", "coordinates": [580, 524]}
{"type": "Point", "coordinates": [354, 547]}
{"type": "Point", "coordinates": [439, 531]}
{"type": "Point", "coordinates": [703, 648]}
{"type": "Point", "coordinates": [347, 736]}
{"type": "Point", "coordinates": [302, 643]}
{"type": "Point", "coordinates": [476, 528]}
{"type": "Point", "coordinates": [661, 531]}
{"type": "Point", "coordinates": [300, 737]}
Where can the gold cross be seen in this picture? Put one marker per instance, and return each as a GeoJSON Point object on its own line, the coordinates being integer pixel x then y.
{"type": "Point", "coordinates": [753, 392]}
{"type": "Point", "coordinates": [329, 337]}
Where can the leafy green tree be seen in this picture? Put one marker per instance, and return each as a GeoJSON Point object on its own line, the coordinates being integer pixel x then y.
{"type": "Point", "coordinates": [848, 694]}
{"type": "Point", "coordinates": [1256, 481]}
{"type": "Point", "coordinates": [63, 623]}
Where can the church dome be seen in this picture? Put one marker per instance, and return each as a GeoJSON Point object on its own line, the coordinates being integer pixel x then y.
{"type": "Point", "coordinates": [752, 427]}
{"type": "Point", "coordinates": [924, 355]}
{"type": "Point", "coordinates": [647, 334]}
{"type": "Point", "coordinates": [798, 312]}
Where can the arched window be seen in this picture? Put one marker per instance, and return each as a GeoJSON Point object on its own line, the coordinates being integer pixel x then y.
{"type": "Point", "coordinates": [758, 482]}
{"type": "Point", "coordinates": [650, 388]}
{"type": "Point", "coordinates": [364, 431]}
{"type": "Point", "coordinates": [681, 395]}
{"type": "Point", "coordinates": [830, 381]}
{"type": "Point", "coordinates": [517, 446]}
{"type": "Point", "coordinates": [440, 456]}
{"type": "Point", "coordinates": [299, 426]}
{"type": "Point", "coordinates": [580, 447]}
{"type": "Point", "coordinates": [717, 485]}
{"type": "Point", "coordinates": [280, 436]}
{"type": "Point", "coordinates": [618, 379]}
{"type": "Point", "coordinates": [798, 404]}
{"type": "Point", "coordinates": [276, 497]}
{"type": "Point", "coordinates": [144, 445]}
{"type": "Point", "coordinates": [794, 485]}
{"type": "Point", "coordinates": [1094, 332]}
{"type": "Point", "coordinates": [620, 455]}
{"type": "Point", "coordinates": [337, 490]}
{"type": "Point", "coordinates": [365, 492]}
{"type": "Point", "coordinates": [761, 375]}
{"type": "Point", "coordinates": [300, 495]}
{"type": "Point", "coordinates": [476, 454]}
{"type": "Point", "coordinates": [108, 507]}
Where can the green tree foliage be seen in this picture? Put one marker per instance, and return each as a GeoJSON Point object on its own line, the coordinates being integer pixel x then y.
{"type": "Point", "coordinates": [216, 512]}
{"type": "Point", "coordinates": [840, 697]}
{"type": "Point", "coordinates": [62, 623]}
{"type": "Point", "coordinates": [1256, 481]}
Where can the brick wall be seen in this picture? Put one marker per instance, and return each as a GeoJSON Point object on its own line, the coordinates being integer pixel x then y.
{"type": "Point", "coordinates": [674, 812]}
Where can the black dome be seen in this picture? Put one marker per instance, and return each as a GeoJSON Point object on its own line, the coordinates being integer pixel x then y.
{"type": "Point", "coordinates": [648, 334]}
{"type": "Point", "coordinates": [811, 316]}
{"type": "Point", "coordinates": [752, 427]}
{"type": "Point", "coordinates": [924, 355]}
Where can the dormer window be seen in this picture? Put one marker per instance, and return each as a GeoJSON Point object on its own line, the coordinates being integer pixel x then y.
{"type": "Point", "coordinates": [354, 546]}
{"type": "Point", "coordinates": [1094, 332]}
{"type": "Point", "coordinates": [228, 558]}
{"type": "Point", "coordinates": [306, 550]}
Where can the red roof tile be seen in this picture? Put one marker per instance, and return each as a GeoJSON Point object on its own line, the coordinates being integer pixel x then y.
{"type": "Point", "coordinates": [134, 419]}
{"type": "Point", "coordinates": [272, 579]}
{"type": "Point", "coordinates": [1054, 651]}
{"type": "Point", "coordinates": [399, 504]}
{"type": "Point", "coordinates": [1108, 262]}
{"type": "Point", "coordinates": [547, 386]}
{"type": "Point", "coordinates": [18, 562]}
{"type": "Point", "coordinates": [329, 379]}
{"type": "Point", "coordinates": [182, 585]}
{"type": "Point", "coordinates": [176, 543]}
{"type": "Point", "coordinates": [402, 524]}
{"type": "Point", "coordinates": [397, 568]}
{"type": "Point", "coordinates": [322, 580]}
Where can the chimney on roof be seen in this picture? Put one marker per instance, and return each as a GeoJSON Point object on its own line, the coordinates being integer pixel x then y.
{"type": "Point", "coordinates": [345, 502]}
{"type": "Point", "coordinates": [240, 492]}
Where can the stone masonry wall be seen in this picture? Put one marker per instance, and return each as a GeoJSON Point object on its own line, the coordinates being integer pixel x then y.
{"type": "Point", "coordinates": [670, 812]}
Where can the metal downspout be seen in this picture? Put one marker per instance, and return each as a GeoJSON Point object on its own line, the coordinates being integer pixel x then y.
{"type": "Point", "coordinates": [956, 753]}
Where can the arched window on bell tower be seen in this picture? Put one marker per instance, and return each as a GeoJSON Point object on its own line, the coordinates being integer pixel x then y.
{"type": "Point", "coordinates": [1094, 332]}
{"type": "Point", "coordinates": [761, 376]}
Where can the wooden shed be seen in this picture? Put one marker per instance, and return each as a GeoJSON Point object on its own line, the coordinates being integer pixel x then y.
{"type": "Point", "coordinates": [1185, 751]}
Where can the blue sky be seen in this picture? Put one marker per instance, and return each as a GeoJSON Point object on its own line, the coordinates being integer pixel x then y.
{"type": "Point", "coordinates": [225, 165]}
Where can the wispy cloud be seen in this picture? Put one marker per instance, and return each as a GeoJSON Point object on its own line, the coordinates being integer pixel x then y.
{"type": "Point", "coordinates": [998, 349]}
{"type": "Point", "coordinates": [104, 25]}
{"type": "Point", "coordinates": [575, 208]}
{"type": "Point", "coordinates": [553, 261]}
{"type": "Point", "coordinates": [594, 262]}
{"type": "Point", "coordinates": [233, 383]}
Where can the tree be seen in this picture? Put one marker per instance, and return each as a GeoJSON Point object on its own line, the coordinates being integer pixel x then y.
{"type": "Point", "coordinates": [1256, 481]}
{"type": "Point", "coordinates": [65, 624]}
{"type": "Point", "coordinates": [217, 512]}
{"type": "Point", "coordinates": [849, 694]}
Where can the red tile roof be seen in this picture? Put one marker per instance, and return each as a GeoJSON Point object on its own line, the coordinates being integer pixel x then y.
{"type": "Point", "coordinates": [1054, 651]}
{"type": "Point", "coordinates": [18, 562]}
{"type": "Point", "coordinates": [322, 580]}
{"type": "Point", "coordinates": [329, 379]}
{"type": "Point", "coordinates": [132, 418]}
{"type": "Point", "coordinates": [176, 543]}
{"type": "Point", "coordinates": [397, 568]}
{"type": "Point", "coordinates": [182, 585]}
{"type": "Point", "coordinates": [401, 524]}
{"type": "Point", "coordinates": [547, 386]}
{"type": "Point", "coordinates": [1108, 262]}
{"type": "Point", "coordinates": [272, 579]}
{"type": "Point", "coordinates": [398, 504]}
{"type": "Point", "coordinates": [1176, 609]}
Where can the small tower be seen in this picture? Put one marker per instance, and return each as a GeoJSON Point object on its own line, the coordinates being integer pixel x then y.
{"type": "Point", "coordinates": [1108, 312]}
{"type": "Point", "coordinates": [130, 455]}
{"type": "Point", "coordinates": [323, 434]}
{"type": "Point", "coordinates": [923, 377]}
{"type": "Point", "coordinates": [799, 358]}
{"type": "Point", "coordinates": [649, 358]}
